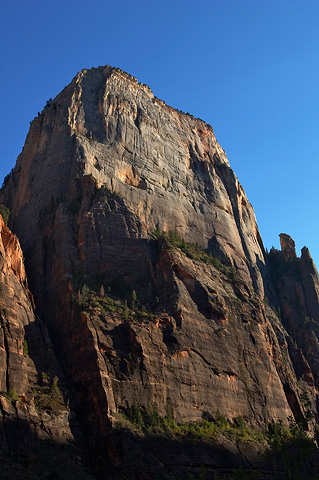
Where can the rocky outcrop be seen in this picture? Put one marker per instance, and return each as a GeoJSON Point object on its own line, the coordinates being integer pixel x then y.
{"type": "Point", "coordinates": [297, 284]}
{"type": "Point", "coordinates": [16, 312]}
{"type": "Point", "coordinates": [180, 357]}
{"type": "Point", "coordinates": [288, 247]}
{"type": "Point", "coordinates": [138, 315]}
{"type": "Point", "coordinates": [33, 410]}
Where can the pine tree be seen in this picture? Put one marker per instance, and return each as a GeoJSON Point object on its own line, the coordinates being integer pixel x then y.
{"type": "Point", "coordinates": [5, 212]}
{"type": "Point", "coordinates": [134, 299]}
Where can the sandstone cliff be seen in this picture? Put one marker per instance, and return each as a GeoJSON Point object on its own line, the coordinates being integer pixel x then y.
{"type": "Point", "coordinates": [167, 166]}
{"type": "Point", "coordinates": [32, 407]}
{"type": "Point", "coordinates": [297, 283]}
{"type": "Point", "coordinates": [137, 315]}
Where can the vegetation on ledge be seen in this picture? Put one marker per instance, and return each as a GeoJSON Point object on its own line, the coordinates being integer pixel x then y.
{"type": "Point", "coordinates": [89, 301]}
{"type": "Point", "coordinates": [150, 422]}
{"type": "Point", "coordinates": [47, 394]}
{"type": "Point", "coordinates": [287, 449]}
{"type": "Point", "coordinates": [196, 252]}
{"type": "Point", "coordinates": [5, 212]}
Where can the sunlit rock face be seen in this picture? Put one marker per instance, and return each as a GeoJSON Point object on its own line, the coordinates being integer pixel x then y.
{"type": "Point", "coordinates": [167, 166]}
{"type": "Point", "coordinates": [104, 166]}
{"type": "Point", "coordinates": [16, 313]}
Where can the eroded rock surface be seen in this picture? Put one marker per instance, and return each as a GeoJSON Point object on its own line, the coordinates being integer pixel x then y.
{"type": "Point", "coordinates": [105, 169]}
{"type": "Point", "coordinates": [167, 166]}
{"type": "Point", "coordinates": [33, 409]}
{"type": "Point", "coordinates": [297, 284]}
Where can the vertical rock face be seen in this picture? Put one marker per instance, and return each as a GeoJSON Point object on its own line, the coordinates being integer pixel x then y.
{"type": "Point", "coordinates": [310, 280]}
{"type": "Point", "coordinates": [297, 284]}
{"type": "Point", "coordinates": [167, 166]}
{"type": "Point", "coordinates": [135, 315]}
{"type": "Point", "coordinates": [287, 245]}
{"type": "Point", "coordinates": [32, 408]}
{"type": "Point", "coordinates": [16, 312]}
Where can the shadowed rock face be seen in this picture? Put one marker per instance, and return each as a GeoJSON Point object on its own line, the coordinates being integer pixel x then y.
{"type": "Point", "coordinates": [32, 412]}
{"type": "Point", "coordinates": [297, 283]}
{"type": "Point", "coordinates": [104, 166]}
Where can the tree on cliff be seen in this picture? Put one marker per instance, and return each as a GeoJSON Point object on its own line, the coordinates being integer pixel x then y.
{"type": "Point", "coordinates": [5, 212]}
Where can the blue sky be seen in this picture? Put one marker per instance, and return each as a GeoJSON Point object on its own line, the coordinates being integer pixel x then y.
{"type": "Point", "coordinates": [250, 68]}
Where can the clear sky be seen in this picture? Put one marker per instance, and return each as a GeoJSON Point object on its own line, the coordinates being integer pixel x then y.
{"type": "Point", "coordinates": [250, 68]}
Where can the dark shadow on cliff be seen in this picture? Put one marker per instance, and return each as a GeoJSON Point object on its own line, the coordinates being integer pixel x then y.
{"type": "Point", "coordinates": [267, 279]}
{"type": "Point", "coordinates": [25, 456]}
{"type": "Point", "coordinates": [154, 457]}
{"type": "Point", "coordinates": [49, 371]}
{"type": "Point", "coordinates": [151, 457]}
{"type": "Point", "coordinates": [53, 398]}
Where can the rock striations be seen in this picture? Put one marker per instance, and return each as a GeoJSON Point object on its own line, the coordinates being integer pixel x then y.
{"type": "Point", "coordinates": [33, 410]}
{"type": "Point", "coordinates": [145, 261]}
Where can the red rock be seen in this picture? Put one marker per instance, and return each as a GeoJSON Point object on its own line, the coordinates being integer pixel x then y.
{"type": "Point", "coordinates": [103, 167]}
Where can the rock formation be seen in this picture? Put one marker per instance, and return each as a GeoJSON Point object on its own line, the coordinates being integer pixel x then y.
{"type": "Point", "coordinates": [297, 284]}
{"type": "Point", "coordinates": [145, 261]}
{"type": "Point", "coordinates": [32, 407]}
{"type": "Point", "coordinates": [287, 245]}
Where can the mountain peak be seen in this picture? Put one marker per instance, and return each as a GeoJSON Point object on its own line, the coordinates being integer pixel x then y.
{"type": "Point", "coordinates": [145, 259]}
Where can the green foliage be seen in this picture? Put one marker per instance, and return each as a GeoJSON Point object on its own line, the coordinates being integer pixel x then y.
{"type": "Point", "coordinates": [310, 323]}
{"type": "Point", "coordinates": [11, 395]}
{"type": "Point", "coordinates": [277, 312]}
{"type": "Point", "coordinates": [126, 311]}
{"type": "Point", "coordinates": [157, 232]}
{"type": "Point", "coordinates": [202, 475]}
{"type": "Point", "coordinates": [279, 435]}
{"type": "Point", "coordinates": [196, 252]}
{"type": "Point", "coordinates": [134, 299]}
{"type": "Point", "coordinates": [5, 212]}
{"type": "Point", "coordinates": [287, 447]}
{"type": "Point", "coordinates": [136, 416]}
{"type": "Point", "coordinates": [25, 348]}
{"type": "Point", "coordinates": [54, 386]}
{"type": "Point", "coordinates": [47, 394]}
{"type": "Point", "coordinates": [147, 420]}
{"type": "Point", "coordinates": [292, 449]}
{"type": "Point", "coordinates": [90, 302]}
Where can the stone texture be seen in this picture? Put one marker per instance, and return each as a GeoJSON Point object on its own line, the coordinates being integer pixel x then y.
{"type": "Point", "coordinates": [297, 285]}
{"type": "Point", "coordinates": [180, 357]}
{"type": "Point", "coordinates": [287, 245]}
{"type": "Point", "coordinates": [103, 166]}
{"type": "Point", "coordinates": [26, 354]}
{"type": "Point", "coordinates": [167, 166]}
{"type": "Point", "coordinates": [16, 311]}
